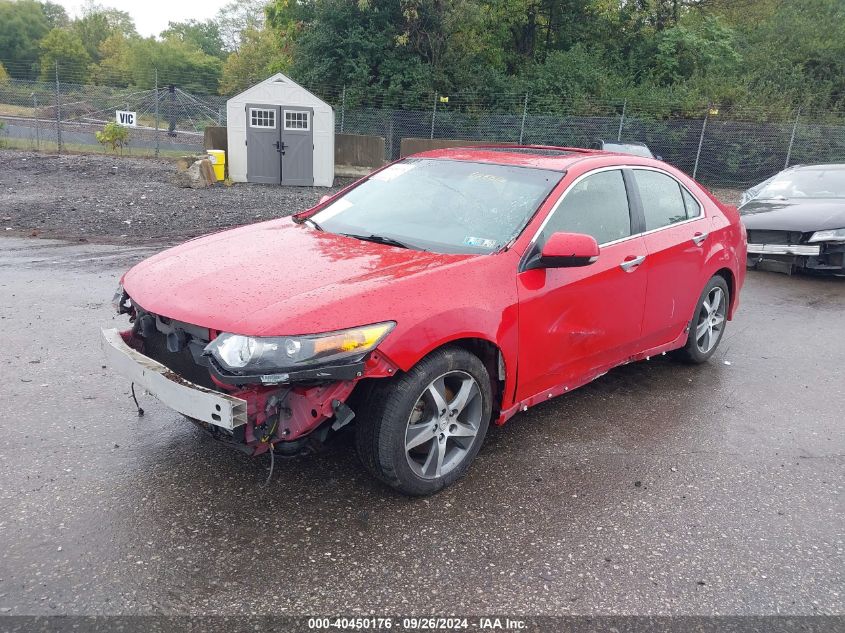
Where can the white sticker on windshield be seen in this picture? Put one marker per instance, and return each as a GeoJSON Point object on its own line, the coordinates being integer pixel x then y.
{"type": "Point", "coordinates": [394, 171]}
{"type": "Point", "coordinates": [332, 210]}
{"type": "Point", "coordinates": [480, 242]}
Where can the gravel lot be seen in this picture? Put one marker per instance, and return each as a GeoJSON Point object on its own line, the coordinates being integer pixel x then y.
{"type": "Point", "coordinates": [123, 200]}
{"type": "Point", "coordinates": [98, 198]}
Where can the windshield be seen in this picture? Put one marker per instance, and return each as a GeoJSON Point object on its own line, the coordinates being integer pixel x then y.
{"type": "Point", "coordinates": [628, 148]}
{"type": "Point", "coordinates": [445, 206]}
{"type": "Point", "coordinates": [805, 183]}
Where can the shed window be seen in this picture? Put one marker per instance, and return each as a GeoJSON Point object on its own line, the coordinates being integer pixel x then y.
{"type": "Point", "coordinates": [297, 120]}
{"type": "Point", "coordinates": [262, 118]}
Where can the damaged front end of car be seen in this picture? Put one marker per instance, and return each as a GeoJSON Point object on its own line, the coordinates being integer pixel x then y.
{"type": "Point", "coordinates": [254, 393]}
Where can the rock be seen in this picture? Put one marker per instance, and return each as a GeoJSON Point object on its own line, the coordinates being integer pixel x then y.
{"type": "Point", "coordinates": [198, 176]}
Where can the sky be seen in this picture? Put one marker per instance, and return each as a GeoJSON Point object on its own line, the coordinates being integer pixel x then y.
{"type": "Point", "coordinates": [151, 16]}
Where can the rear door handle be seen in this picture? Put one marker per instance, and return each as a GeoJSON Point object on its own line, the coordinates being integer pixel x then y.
{"type": "Point", "coordinates": [629, 265]}
{"type": "Point", "coordinates": [698, 238]}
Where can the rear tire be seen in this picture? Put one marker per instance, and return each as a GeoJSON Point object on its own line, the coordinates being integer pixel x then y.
{"type": "Point", "coordinates": [420, 431]}
{"type": "Point", "coordinates": [707, 325]}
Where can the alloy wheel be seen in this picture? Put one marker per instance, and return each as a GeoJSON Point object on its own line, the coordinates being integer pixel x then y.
{"type": "Point", "coordinates": [443, 424]}
{"type": "Point", "coordinates": [711, 320]}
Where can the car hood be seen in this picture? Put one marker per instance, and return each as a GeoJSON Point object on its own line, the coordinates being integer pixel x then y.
{"type": "Point", "coordinates": [794, 215]}
{"type": "Point", "coordinates": [279, 277]}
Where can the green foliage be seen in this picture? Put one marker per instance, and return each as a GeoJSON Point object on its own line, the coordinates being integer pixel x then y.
{"type": "Point", "coordinates": [177, 62]}
{"type": "Point", "coordinates": [703, 48]}
{"type": "Point", "coordinates": [765, 55]}
{"type": "Point", "coordinates": [55, 14]}
{"type": "Point", "coordinates": [22, 25]}
{"type": "Point", "coordinates": [258, 57]}
{"type": "Point", "coordinates": [114, 136]}
{"type": "Point", "coordinates": [64, 48]}
{"type": "Point", "coordinates": [202, 35]}
{"type": "Point", "coordinates": [4, 76]}
{"type": "Point", "coordinates": [97, 24]}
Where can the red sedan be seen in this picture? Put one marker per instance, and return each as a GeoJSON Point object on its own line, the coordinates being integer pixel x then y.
{"type": "Point", "coordinates": [443, 292]}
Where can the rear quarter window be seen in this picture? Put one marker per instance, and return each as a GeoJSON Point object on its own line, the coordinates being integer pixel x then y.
{"type": "Point", "coordinates": [662, 199]}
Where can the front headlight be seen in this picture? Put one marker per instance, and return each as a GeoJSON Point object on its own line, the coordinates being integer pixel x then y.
{"type": "Point", "coordinates": [831, 235]}
{"type": "Point", "coordinates": [119, 299]}
{"type": "Point", "coordinates": [262, 354]}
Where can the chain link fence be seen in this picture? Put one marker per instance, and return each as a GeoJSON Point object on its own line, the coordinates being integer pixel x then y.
{"type": "Point", "coordinates": [722, 146]}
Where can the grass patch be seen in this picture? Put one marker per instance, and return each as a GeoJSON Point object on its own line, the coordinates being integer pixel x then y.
{"type": "Point", "coordinates": [15, 110]}
{"type": "Point", "coordinates": [77, 148]}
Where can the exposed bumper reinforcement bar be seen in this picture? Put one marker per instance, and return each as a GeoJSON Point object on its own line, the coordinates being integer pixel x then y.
{"type": "Point", "coordinates": [171, 389]}
{"type": "Point", "coordinates": [785, 249]}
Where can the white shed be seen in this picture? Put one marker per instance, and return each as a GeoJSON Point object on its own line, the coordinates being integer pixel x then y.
{"type": "Point", "coordinates": [279, 133]}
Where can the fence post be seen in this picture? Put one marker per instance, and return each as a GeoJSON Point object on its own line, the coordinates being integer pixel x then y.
{"type": "Point", "coordinates": [622, 120]}
{"type": "Point", "coordinates": [37, 122]}
{"type": "Point", "coordinates": [792, 138]}
{"type": "Point", "coordinates": [433, 116]}
{"type": "Point", "coordinates": [158, 148]}
{"type": "Point", "coordinates": [343, 109]}
{"type": "Point", "coordinates": [524, 114]}
{"type": "Point", "coordinates": [700, 142]}
{"type": "Point", "coordinates": [58, 112]}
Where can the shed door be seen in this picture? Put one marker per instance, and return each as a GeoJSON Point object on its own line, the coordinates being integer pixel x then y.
{"type": "Point", "coordinates": [297, 146]}
{"type": "Point", "coordinates": [263, 158]}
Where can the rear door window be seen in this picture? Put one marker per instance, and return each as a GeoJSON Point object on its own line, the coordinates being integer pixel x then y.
{"type": "Point", "coordinates": [597, 205]}
{"type": "Point", "coordinates": [662, 199]}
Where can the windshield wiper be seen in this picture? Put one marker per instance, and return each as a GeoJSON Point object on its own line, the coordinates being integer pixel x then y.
{"type": "Point", "coordinates": [311, 222]}
{"type": "Point", "coordinates": [382, 239]}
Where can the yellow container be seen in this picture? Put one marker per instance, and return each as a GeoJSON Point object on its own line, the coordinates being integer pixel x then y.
{"type": "Point", "coordinates": [218, 161]}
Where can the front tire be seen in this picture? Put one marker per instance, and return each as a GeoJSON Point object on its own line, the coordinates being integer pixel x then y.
{"type": "Point", "coordinates": [420, 431]}
{"type": "Point", "coordinates": [707, 325]}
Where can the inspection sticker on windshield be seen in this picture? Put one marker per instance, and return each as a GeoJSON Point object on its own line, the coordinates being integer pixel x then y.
{"type": "Point", "coordinates": [480, 243]}
{"type": "Point", "coordinates": [394, 171]}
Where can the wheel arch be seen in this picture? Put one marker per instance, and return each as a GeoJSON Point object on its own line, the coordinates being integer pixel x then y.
{"type": "Point", "coordinates": [489, 352]}
{"type": "Point", "coordinates": [728, 275]}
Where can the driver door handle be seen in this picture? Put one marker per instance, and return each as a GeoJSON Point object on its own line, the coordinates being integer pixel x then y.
{"type": "Point", "coordinates": [698, 238]}
{"type": "Point", "coordinates": [630, 264]}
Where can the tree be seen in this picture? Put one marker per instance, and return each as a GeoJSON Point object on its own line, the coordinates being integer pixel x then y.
{"type": "Point", "coordinates": [114, 68]}
{"type": "Point", "coordinates": [22, 25]}
{"type": "Point", "coordinates": [700, 49]}
{"type": "Point", "coordinates": [258, 57]}
{"type": "Point", "coordinates": [55, 14]}
{"type": "Point", "coordinates": [236, 18]}
{"type": "Point", "coordinates": [177, 62]}
{"type": "Point", "coordinates": [203, 35]}
{"type": "Point", "coordinates": [64, 48]}
{"type": "Point", "coordinates": [4, 76]}
{"type": "Point", "coordinates": [97, 24]}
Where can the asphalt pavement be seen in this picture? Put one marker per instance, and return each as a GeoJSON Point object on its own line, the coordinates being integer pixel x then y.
{"type": "Point", "coordinates": [658, 489]}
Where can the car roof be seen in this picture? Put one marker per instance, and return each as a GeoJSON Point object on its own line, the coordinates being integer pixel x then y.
{"type": "Point", "coordinates": [537, 156]}
{"type": "Point", "coordinates": [827, 167]}
{"type": "Point", "coordinates": [637, 143]}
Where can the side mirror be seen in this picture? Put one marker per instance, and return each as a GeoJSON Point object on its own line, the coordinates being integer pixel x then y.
{"type": "Point", "coordinates": [324, 199]}
{"type": "Point", "coordinates": [567, 250]}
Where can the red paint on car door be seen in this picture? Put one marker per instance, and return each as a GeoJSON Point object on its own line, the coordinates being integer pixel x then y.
{"type": "Point", "coordinates": [677, 232]}
{"type": "Point", "coordinates": [575, 323]}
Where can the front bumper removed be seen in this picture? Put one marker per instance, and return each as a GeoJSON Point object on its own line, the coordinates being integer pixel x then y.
{"type": "Point", "coordinates": [786, 258]}
{"type": "Point", "coordinates": [192, 400]}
